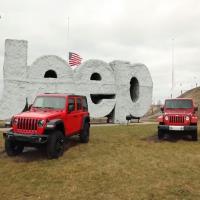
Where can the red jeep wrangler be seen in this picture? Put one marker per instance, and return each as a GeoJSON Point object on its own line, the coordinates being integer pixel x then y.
{"type": "Point", "coordinates": [50, 120]}
{"type": "Point", "coordinates": [179, 115]}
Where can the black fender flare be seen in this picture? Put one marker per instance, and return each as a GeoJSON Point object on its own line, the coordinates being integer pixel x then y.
{"type": "Point", "coordinates": [55, 124]}
{"type": "Point", "coordinates": [86, 119]}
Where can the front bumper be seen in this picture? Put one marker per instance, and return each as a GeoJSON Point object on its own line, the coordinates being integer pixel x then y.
{"type": "Point", "coordinates": [37, 139]}
{"type": "Point", "coordinates": [177, 128]}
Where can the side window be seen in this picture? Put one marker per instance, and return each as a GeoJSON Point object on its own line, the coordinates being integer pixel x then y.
{"type": "Point", "coordinates": [85, 105]}
{"type": "Point", "coordinates": [71, 105]}
{"type": "Point", "coordinates": [79, 106]}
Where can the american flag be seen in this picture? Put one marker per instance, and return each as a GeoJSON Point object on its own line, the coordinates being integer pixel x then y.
{"type": "Point", "coordinates": [74, 59]}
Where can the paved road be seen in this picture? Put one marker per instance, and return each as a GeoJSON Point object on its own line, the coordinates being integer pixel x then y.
{"type": "Point", "coordinates": [4, 129]}
{"type": "Point", "coordinates": [95, 125]}
{"type": "Point", "coordinates": [131, 124]}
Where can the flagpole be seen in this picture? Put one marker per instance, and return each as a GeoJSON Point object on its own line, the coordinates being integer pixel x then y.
{"type": "Point", "coordinates": [172, 91]}
{"type": "Point", "coordinates": [68, 34]}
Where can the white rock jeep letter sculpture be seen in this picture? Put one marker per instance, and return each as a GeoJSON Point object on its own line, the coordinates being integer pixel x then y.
{"type": "Point", "coordinates": [115, 89]}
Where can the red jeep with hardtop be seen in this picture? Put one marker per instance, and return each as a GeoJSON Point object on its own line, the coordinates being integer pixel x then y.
{"type": "Point", "coordinates": [49, 121]}
{"type": "Point", "coordinates": [179, 115]}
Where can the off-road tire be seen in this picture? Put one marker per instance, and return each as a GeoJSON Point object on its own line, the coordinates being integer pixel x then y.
{"type": "Point", "coordinates": [13, 148]}
{"type": "Point", "coordinates": [161, 134]}
{"type": "Point", "coordinates": [85, 133]}
{"type": "Point", "coordinates": [194, 135]}
{"type": "Point", "coordinates": [55, 144]}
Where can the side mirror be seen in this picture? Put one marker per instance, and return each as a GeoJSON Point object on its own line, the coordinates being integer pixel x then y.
{"type": "Point", "coordinates": [195, 109]}
{"type": "Point", "coordinates": [162, 109]}
{"type": "Point", "coordinates": [70, 108]}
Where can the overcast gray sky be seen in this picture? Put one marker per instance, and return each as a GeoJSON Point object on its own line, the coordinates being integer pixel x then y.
{"type": "Point", "coordinates": [136, 31]}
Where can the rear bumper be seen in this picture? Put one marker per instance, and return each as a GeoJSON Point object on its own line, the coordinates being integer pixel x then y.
{"type": "Point", "coordinates": [177, 128]}
{"type": "Point", "coordinates": [37, 139]}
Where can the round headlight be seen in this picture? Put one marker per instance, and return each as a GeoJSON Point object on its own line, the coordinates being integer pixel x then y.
{"type": "Point", "coordinates": [41, 123]}
{"type": "Point", "coordinates": [15, 121]}
{"type": "Point", "coordinates": [187, 118]}
{"type": "Point", "coordinates": [166, 118]}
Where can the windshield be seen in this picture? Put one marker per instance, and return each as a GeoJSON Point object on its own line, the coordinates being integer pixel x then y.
{"type": "Point", "coordinates": [177, 103]}
{"type": "Point", "coordinates": [49, 102]}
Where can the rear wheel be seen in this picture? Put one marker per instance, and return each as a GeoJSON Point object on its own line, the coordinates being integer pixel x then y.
{"type": "Point", "coordinates": [55, 144]}
{"type": "Point", "coordinates": [85, 134]}
{"type": "Point", "coordinates": [13, 148]}
{"type": "Point", "coordinates": [161, 134]}
{"type": "Point", "coordinates": [194, 135]}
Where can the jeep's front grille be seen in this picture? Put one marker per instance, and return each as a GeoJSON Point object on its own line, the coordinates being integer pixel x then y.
{"type": "Point", "coordinates": [176, 119]}
{"type": "Point", "coordinates": [27, 124]}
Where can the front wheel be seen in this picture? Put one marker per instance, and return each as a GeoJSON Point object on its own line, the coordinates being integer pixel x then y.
{"type": "Point", "coordinates": [194, 135]}
{"type": "Point", "coordinates": [55, 145]}
{"type": "Point", "coordinates": [85, 134]}
{"type": "Point", "coordinates": [160, 135]}
{"type": "Point", "coordinates": [13, 148]}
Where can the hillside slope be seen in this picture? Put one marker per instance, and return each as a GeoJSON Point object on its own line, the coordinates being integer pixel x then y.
{"type": "Point", "coordinates": [193, 93]}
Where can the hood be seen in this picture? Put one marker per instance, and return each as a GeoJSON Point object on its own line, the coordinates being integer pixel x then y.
{"type": "Point", "coordinates": [40, 114]}
{"type": "Point", "coordinates": [179, 111]}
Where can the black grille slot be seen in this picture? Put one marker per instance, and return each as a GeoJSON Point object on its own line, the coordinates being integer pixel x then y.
{"type": "Point", "coordinates": [35, 127]}
{"type": "Point", "coordinates": [32, 125]}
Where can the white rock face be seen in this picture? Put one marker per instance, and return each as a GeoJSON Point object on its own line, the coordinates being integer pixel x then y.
{"type": "Point", "coordinates": [116, 89]}
{"type": "Point", "coordinates": [100, 91]}
{"type": "Point", "coordinates": [133, 90]}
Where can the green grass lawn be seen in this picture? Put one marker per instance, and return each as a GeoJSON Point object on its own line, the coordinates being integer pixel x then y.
{"type": "Point", "coordinates": [119, 163]}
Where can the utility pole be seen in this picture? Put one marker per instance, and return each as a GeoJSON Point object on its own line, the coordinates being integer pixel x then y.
{"type": "Point", "coordinates": [195, 80]}
{"type": "Point", "coordinates": [181, 88]}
